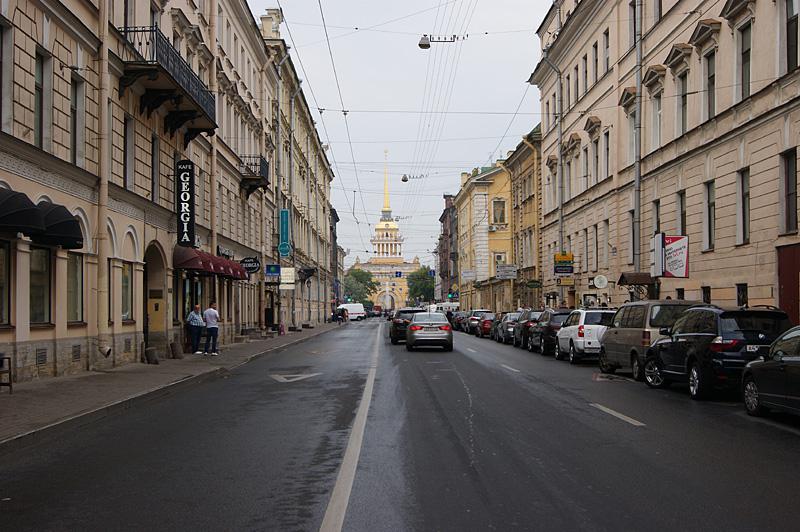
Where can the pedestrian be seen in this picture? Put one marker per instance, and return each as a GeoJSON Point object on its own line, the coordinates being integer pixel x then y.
{"type": "Point", "coordinates": [211, 317]}
{"type": "Point", "coordinates": [195, 324]}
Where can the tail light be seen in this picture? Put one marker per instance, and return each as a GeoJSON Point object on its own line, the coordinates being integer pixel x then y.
{"type": "Point", "coordinates": [580, 331]}
{"type": "Point", "coordinates": [415, 328]}
{"type": "Point", "coordinates": [444, 327]}
{"type": "Point", "coordinates": [719, 345]}
{"type": "Point", "coordinates": [645, 338]}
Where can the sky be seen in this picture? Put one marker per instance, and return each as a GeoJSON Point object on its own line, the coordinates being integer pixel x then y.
{"type": "Point", "coordinates": [436, 113]}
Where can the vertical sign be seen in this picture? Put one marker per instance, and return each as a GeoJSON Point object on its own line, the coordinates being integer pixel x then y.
{"type": "Point", "coordinates": [284, 248]}
{"type": "Point", "coordinates": [184, 202]}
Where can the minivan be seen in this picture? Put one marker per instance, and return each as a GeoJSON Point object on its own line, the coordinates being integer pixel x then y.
{"type": "Point", "coordinates": [634, 329]}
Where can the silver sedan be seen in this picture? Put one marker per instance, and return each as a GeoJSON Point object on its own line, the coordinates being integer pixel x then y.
{"type": "Point", "coordinates": [429, 329]}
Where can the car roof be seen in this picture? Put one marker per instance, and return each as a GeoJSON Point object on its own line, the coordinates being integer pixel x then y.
{"type": "Point", "coordinates": [719, 310]}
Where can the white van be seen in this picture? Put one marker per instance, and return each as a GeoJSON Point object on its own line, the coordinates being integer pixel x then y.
{"type": "Point", "coordinates": [355, 311]}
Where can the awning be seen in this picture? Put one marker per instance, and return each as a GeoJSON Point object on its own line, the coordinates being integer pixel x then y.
{"type": "Point", "coordinates": [191, 259]}
{"type": "Point", "coordinates": [18, 214]}
{"type": "Point", "coordinates": [61, 227]}
{"type": "Point", "coordinates": [635, 279]}
{"type": "Point", "coordinates": [240, 272]}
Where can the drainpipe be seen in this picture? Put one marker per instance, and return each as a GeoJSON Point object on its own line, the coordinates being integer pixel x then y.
{"type": "Point", "coordinates": [279, 168]}
{"type": "Point", "coordinates": [637, 147]}
{"type": "Point", "coordinates": [101, 232]}
{"type": "Point", "coordinates": [212, 86]}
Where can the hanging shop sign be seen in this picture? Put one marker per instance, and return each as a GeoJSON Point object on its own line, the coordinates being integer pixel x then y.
{"type": "Point", "coordinates": [184, 201]}
{"type": "Point", "coordinates": [251, 264]}
{"type": "Point", "coordinates": [272, 273]}
{"type": "Point", "coordinates": [563, 263]}
{"type": "Point", "coordinates": [284, 247]}
{"type": "Point", "coordinates": [534, 283]}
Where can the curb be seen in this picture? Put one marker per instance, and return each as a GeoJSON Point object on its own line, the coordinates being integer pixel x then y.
{"type": "Point", "coordinates": [38, 435]}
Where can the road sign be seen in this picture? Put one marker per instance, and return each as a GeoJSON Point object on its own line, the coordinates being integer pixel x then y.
{"type": "Point", "coordinates": [398, 274]}
{"type": "Point", "coordinates": [506, 271]}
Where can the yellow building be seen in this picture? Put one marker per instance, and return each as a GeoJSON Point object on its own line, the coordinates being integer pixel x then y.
{"type": "Point", "coordinates": [387, 265]}
{"type": "Point", "coordinates": [484, 238]}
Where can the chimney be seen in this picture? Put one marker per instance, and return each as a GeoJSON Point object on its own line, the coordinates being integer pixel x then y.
{"type": "Point", "coordinates": [271, 24]}
{"type": "Point", "coordinates": [465, 177]}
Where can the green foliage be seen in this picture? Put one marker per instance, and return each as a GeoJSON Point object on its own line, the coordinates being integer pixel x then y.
{"type": "Point", "coordinates": [420, 285]}
{"type": "Point", "coordinates": [359, 285]}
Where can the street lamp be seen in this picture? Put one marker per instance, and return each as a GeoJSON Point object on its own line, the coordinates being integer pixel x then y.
{"type": "Point", "coordinates": [425, 41]}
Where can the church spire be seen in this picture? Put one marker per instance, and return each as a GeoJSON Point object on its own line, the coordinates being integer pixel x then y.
{"type": "Point", "coordinates": [387, 209]}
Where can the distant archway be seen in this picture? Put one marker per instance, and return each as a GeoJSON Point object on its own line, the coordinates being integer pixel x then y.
{"type": "Point", "coordinates": [386, 301]}
{"type": "Point", "coordinates": [155, 300]}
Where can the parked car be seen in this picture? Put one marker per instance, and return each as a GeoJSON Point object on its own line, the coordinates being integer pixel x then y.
{"type": "Point", "coordinates": [526, 321]}
{"type": "Point", "coordinates": [498, 319]}
{"type": "Point", "coordinates": [505, 329]}
{"type": "Point", "coordinates": [473, 319]}
{"type": "Point", "coordinates": [484, 327]}
{"type": "Point", "coordinates": [542, 336]}
{"type": "Point", "coordinates": [400, 320]}
{"type": "Point", "coordinates": [709, 346]}
{"type": "Point", "coordinates": [459, 319]}
{"type": "Point", "coordinates": [429, 329]}
{"type": "Point", "coordinates": [635, 327]}
{"type": "Point", "coordinates": [772, 381]}
{"type": "Point", "coordinates": [579, 336]}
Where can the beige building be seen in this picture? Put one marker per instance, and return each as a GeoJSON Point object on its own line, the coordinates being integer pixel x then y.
{"type": "Point", "coordinates": [100, 101]}
{"type": "Point", "coordinates": [524, 167]}
{"type": "Point", "coordinates": [720, 130]}
{"type": "Point", "coordinates": [484, 238]}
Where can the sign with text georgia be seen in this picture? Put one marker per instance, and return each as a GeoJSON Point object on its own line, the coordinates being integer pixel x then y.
{"type": "Point", "coordinates": [184, 202]}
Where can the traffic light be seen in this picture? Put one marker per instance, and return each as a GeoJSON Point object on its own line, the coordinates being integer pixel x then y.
{"type": "Point", "coordinates": [450, 295]}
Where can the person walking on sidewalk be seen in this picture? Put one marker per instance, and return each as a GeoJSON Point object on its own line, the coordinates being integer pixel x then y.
{"type": "Point", "coordinates": [195, 323]}
{"type": "Point", "coordinates": [211, 317]}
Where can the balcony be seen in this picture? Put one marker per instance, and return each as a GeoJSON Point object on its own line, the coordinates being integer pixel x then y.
{"type": "Point", "coordinates": [151, 60]}
{"type": "Point", "coordinates": [255, 173]}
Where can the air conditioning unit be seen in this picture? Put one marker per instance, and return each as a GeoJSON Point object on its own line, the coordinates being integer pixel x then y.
{"type": "Point", "coordinates": [492, 228]}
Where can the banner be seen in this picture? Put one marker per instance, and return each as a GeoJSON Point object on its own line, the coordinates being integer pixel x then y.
{"type": "Point", "coordinates": [184, 202]}
{"type": "Point", "coordinates": [676, 256]}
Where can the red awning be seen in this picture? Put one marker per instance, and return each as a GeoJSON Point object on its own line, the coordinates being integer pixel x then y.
{"type": "Point", "coordinates": [191, 259]}
{"type": "Point", "coordinates": [239, 271]}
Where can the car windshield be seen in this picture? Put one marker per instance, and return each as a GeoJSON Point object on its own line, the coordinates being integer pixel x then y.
{"type": "Point", "coordinates": [754, 325]}
{"type": "Point", "coordinates": [665, 315]}
{"type": "Point", "coordinates": [598, 318]}
{"type": "Point", "coordinates": [407, 314]}
{"type": "Point", "coordinates": [432, 317]}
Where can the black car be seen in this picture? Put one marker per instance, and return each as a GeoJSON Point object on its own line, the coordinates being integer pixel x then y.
{"type": "Point", "coordinates": [709, 346]}
{"type": "Point", "coordinates": [400, 320]}
{"type": "Point", "coordinates": [542, 336]}
{"type": "Point", "coordinates": [772, 381]}
{"type": "Point", "coordinates": [505, 329]}
{"type": "Point", "coordinates": [526, 321]}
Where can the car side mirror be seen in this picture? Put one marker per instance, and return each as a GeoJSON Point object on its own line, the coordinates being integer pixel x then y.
{"type": "Point", "coordinates": [665, 331]}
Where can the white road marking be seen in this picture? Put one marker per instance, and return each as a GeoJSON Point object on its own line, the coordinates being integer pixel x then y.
{"type": "Point", "coordinates": [617, 415]}
{"type": "Point", "coordinates": [340, 496]}
{"type": "Point", "coordinates": [471, 350]}
{"type": "Point", "coordinates": [294, 378]}
{"type": "Point", "coordinates": [509, 368]}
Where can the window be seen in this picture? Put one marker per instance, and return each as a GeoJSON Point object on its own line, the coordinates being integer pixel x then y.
{"type": "Point", "coordinates": [155, 168]}
{"type": "Point", "coordinates": [631, 233]}
{"type": "Point", "coordinates": [128, 154]}
{"type": "Point", "coordinates": [567, 177]}
{"type": "Point", "coordinates": [606, 54]}
{"type": "Point", "coordinates": [789, 165]}
{"type": "Point", "coordinates": [744, 59]}
{"type": "Point", "coordinates": [680, 294]}
{"type": "Point", "coordinates": [575, 80]}
{"type": "Point", "coordinates": [657, 11]}
{"type": "Point", "coordinates": [585, 65]}
{"type": "Point", "coordinates": [606, 154]}
{"type": "Point", "coordinates": [786, 346]}
{"type": "Point", "coordinates": [74, 287]}
{"type": "Point", "coordinates": [791, 35]}
{"type": "Point", "coordinates": [606, 242]}
{"type": "Point", "coordinates": [127, 291]}
{"type": "Point", "coordinates": [5, 282]}
{"type": "Point", "coordinates": [683, 91]}
{"type": "Point", "coordinates": [595, 161]}
{"type": "Point", "coordinates": [40, 285]}
{"type": "Point", "coordinates": [585, 250]}
{"type": "Point", "coordinates": [632, 23]}
{"type": "Point", "coordinates": [656, 103]}
{"type": "Point", "coordinates": [681, 210]}
{"type": "Point", "coordinates": [567, 86]}
{"type": "Point", "coordinates": [555, 108]}
{"type": "Point", "coordinates": [709, 227]}
{"type": "Point", "coordinates": [498, 211]}
{"type": "Point", "coordinates": [656, 216]}
{"type": "Point", "coordinates": [631, 137]}
{"type": "Point", "coordinates": [585, 168]}
{"type": "Point", "coordinates": [595, 60]}
{"type": "Point", "coordinates": [711, 84]}
{"type": "Point", "coordinates": [741, 294]}
{"type": "Point", "coordinates": [743, 214]}
{"type": "Point", "coordinates": [596, 255]}
{"type": "Point", "coordinates": [38, 101]}
{"type": "Point", "coordinates": [77, 122]}
{"type": "Point", "coordinates": [706, 294]}
{"type": "Point", "coordinates": [547, 124]}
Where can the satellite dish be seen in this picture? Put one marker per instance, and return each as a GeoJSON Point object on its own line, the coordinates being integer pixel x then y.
{"type": "Point", "coordinates": [600, 281]}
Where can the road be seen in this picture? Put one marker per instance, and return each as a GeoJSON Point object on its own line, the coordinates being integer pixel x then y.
{"type": "Point", "coordinates": [487, 437]}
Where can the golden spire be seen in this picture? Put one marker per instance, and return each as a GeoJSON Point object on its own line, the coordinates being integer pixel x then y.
{"type": "Point", "coordinates": [386, 206]}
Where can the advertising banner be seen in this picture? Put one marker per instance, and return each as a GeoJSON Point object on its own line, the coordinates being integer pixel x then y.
{"type": "Point", "coordinates": [184, 202]}
{"type": "Point", "coordinates": [676, 256]}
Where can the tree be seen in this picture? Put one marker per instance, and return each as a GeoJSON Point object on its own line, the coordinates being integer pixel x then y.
{"type": "Point", "coordinates": [359, 285]}
{"type": "Point", "coordinates": [420, 285]}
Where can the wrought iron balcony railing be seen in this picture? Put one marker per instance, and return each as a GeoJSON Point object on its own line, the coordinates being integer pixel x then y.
{"type": "Point", "coordinates": [154, 49]}
{"type": "Point", "coordinates": [255, 173]}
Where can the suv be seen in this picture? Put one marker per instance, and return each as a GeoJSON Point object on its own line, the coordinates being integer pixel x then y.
{"type": "Point", "coordinates": [709, 346]}
{"type": "Point", "coordinates": [542, 336]}
{"type": "Point", "coordinates": [633, 330]}
{"type": "Point", "coordinates": [401, 319]}
{"type": "Point", "coordinates": [473, 319]}
{"type": "Point", "coordinates": [525, 322]}
{"type": "Point", "coordinates": [579, 336]}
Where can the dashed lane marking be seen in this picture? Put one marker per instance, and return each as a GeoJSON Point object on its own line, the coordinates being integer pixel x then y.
{"type": "Point", "coordinates": [471, 350]}
{"type": "Point", "coordinates": [509, 368]}
{"type": "Point", "coordinates": [618, 415]}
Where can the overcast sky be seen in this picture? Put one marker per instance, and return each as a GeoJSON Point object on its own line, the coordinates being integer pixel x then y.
{"type": "Point", "coordinates": [387, 81]}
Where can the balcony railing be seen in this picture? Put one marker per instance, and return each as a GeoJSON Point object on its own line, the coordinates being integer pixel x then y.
{"type": "Point", "coordinates": [154, 48]}
{"type": "Point", "coordinates": [255, 173]}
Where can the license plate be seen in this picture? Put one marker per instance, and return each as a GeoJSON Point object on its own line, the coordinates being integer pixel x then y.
{"type": "Point", "coordinates": [753, 348]}
{"type": "Point", "coordinates": [431, 329]}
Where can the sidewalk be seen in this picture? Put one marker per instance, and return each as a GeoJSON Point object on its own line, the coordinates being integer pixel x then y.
{"type": "Point", "coordinates": [41, 408]}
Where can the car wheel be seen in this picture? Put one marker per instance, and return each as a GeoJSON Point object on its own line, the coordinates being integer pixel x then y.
{"type": "Point", "coordinates": [636, 368]}
{"type": "Point", "coordinates": [605, 366]}
{"type": "Point", "coordinates": [752, 400]}
{"type": "Point", "coordinates": [409, 347]}
{"type": "Point", "coordinates": [654, 374]}
{"type": "Point", "coordinates": [530, 344]}
{"type": "Point", "coordinates": [558, 354]}
{"type": "Point", "coordinates": [573, 356]}
{"type": "Point", "coordinates": [542, 346]}
{"type": "Point", "coordinates": [698, 382]}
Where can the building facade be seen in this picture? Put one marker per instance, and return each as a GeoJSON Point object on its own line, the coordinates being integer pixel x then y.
{"type": "Point", "coordinates": [447, 252]}
{"type": "Point", "coordinates": [110, 246]}
{"type": "Point", "coordinates": [719, 145]}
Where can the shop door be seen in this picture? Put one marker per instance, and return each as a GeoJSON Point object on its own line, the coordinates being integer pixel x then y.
{"type": "Point", "coordinates": [789, 281]}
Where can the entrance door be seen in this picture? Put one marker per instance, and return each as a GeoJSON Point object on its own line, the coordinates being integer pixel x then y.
{"type": "Point", "coordinates": [789, 281]}
{"type": "Point", "coordinates": [155, 298]}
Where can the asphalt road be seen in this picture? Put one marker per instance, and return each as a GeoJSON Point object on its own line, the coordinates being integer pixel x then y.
{"type": "Point", "coordinates": [487, 437]}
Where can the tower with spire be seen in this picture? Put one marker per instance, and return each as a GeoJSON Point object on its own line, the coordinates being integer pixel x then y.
{"type": "Point", "coordinates": [387, 242]}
